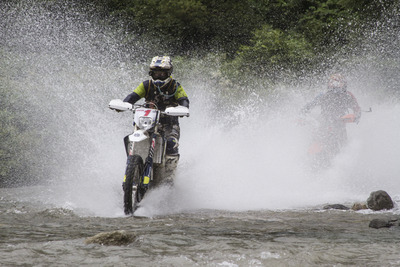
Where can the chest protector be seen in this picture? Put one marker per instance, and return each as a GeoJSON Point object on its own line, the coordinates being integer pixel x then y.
{"type": "Point", "coordinates": [163, 96]}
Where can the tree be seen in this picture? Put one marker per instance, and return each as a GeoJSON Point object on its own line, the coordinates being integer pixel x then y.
{"type": "Point", "coordinates": [273, 50]}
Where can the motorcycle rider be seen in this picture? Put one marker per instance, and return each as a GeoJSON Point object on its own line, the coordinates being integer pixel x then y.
{"type": "Point", "coordinates": [334, 104]}
{"type": "Point", "coordinates": [163, 91]}
{"type": "Point", "coordinates": [336, 101]}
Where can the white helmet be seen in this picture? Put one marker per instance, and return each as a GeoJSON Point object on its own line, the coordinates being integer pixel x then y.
{"type": "Point", "coordinates": [337, 83]}
{"type": "Point", "coordinates": [161, 69]}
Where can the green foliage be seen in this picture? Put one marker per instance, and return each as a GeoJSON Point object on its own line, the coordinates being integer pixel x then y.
{"type": "Point", "coordinates": [230, 24]}
{"type": "Point", "coordinates": [266, 35]}
{"type": "Point", "coordinates": [325, 24]}
{"type": "Point", "coordinates": [166, 25]}
{"type": "Point", "coordinates": [183, 26]}
{"type": "Point", "coordinates": [17, 159]}
{"type": "Point", "coordinates": [271, 50]}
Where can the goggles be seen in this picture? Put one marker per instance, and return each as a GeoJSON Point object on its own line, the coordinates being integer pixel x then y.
{"type": "Point", "coordinates": [159, 74]}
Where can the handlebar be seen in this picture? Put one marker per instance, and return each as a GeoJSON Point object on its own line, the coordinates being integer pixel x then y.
{"type": "Point", "coordinates": [119, 105]}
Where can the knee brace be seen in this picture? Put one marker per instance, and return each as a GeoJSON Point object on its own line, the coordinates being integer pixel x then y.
{"type": "Point", "coordinates": [172, 146]}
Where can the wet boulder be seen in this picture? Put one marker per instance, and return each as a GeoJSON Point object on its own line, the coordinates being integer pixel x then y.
{"type": "Point", "coordinates": [359, 206]}
{"type": "Point", "coordinates": [382, 223]}
{"type": "Point", "coordinates": [115, 238]}
{"type": "Point", "coordinates": [380, 200]}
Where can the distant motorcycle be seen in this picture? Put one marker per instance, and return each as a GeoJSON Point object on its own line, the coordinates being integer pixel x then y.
{"type": "Point", "coordinates": [147, 163]}
{"type": "Point", "coordinates": [328, 140]}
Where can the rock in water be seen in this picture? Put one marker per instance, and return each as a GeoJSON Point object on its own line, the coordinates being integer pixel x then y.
{"type": "Point", "coordinates": [380, 200]}
{"type": "Point", "coordinates": [359, 206]}
{"type": "Point", "coordinates": [116, 238]}
{"type": "Point", "coordinates": [380, 223]}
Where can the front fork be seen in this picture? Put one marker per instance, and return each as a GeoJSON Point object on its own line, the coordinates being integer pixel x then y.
{"type": "Point", "coordinates": [148, 165]}
{"type": "Point", "coordinates": [155, 154]}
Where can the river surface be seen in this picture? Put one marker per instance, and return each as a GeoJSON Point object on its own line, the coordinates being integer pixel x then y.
{"type": "Point", "coordinates": [35, 233]}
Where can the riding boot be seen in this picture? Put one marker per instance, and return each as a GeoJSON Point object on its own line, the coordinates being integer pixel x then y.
{"type": "Point", "coordinates": [171, 162]}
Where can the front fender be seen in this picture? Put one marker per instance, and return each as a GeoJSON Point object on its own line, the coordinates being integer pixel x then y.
{"type": "Point", "coordinates": [138, 136]}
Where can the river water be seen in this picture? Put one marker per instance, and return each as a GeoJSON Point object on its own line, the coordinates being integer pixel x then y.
{"type": "Point", "coordinates": [37, 234]}
{"type": "Point", "coordinates": [243, 195]}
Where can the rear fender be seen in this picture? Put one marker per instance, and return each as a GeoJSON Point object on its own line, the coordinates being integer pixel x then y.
{"type": "Point", "coordinates": [349, 118]}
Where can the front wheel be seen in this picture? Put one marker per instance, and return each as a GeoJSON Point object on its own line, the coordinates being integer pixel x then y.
{"type": "Point", "coordinates": [134, 170]}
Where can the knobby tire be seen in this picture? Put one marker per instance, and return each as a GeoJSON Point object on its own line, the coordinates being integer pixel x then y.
{"type": "Point", "coordinates": [134, 171]}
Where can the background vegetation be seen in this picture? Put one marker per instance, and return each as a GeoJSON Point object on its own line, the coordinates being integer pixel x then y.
{"type": "Point", "coordinates": [272, 40]}
{"type": "Point", "coordinates": [262, 37]}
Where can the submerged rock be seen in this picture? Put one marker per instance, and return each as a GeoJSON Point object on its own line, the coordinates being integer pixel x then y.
{"type": "Point", "coordinates": [381, 223]}
{"type": "Point", "coordinates": [116, 238]}
{"type": "Point", "coordinates": [336, 207]}
{"type": "Point", "coordinates": [380, 200]}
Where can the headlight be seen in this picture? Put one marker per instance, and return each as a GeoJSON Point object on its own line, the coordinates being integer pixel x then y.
{"type": "Point", "coordinates": [145, 123]}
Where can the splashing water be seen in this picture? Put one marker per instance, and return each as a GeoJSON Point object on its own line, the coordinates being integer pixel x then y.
{"type": "Point", "coordinates": [244, 156]}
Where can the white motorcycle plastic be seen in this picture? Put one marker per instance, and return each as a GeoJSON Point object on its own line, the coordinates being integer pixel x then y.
{"type": "Point", "coordinates": [146, 142]}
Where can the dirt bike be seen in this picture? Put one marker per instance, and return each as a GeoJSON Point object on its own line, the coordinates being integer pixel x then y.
{"type": "Point", "coordinates": [328, 140]}
{"type": "Point", "coordinates": [146, 142]}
